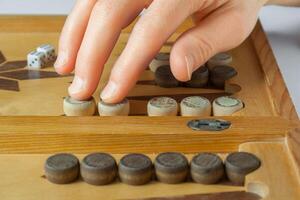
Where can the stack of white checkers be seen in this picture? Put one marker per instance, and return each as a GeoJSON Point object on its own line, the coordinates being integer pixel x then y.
{"type": "Point", "coordinates": [43, 56]}
{"type": "Point", "coordinates": [159, 106]}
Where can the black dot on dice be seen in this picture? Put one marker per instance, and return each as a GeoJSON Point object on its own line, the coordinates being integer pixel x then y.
{"type": "Point", "coordinates": [62, 168]}
{"type": "Point", "coordinates": [171, 167]}
{"type": "Point", "coordinates": [207, 168]}
{"type": "Point", "coordinates": [135, 169]}
{"type": "Point", "coordinates": [239, 164]}
{"type": "Point", "coordinates": [98, 169]}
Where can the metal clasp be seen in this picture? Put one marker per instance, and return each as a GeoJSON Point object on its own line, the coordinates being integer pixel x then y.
{"type": "Point", "coordinates": [209, 124]}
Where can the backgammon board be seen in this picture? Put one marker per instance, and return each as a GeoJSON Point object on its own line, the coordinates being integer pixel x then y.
{"type": "Point", "coordinates": [32, 125]}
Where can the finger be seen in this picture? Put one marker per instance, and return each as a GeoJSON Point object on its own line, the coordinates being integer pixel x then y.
{"type": "Point", "coordinates": [72, 35]}
{"type": "Point", "coordinates": [222, 30]}
{"type": "Point", "coordinates": [105, 24]}
{"type": "Point", "coordinates": [157, 24]}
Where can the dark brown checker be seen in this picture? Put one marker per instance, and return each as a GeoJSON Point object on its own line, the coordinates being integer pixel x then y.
{"type": "Point", "coordinates": [98, 169]}
{"type": "Point", "coordinates": [12, 65]}
{"type": "Point", "coordinates": [165, 78]}
{"type": "Point", "coordinates": [214, 196]}
{"type": "Point", "coordinates": [171, 167]}
{"type": "Point", "coordinates": [207, 168]}
{"type": "Point", "coordinates": [2, 58]}
{"type": "Point", "coordinates": [135, 169]}
{"type": "Point", "coordinates": [199, 78]}
{"type": "Point", "coordinates": [10, 85]}
{"type": "Point", "coordinates": [239, 164]}
{"type": "Point", "coordinates": [62, 168]}
{"type": "Point", "coordinates": [29, 74]}
{"type": "Point", "coordinates": [146, 82]}
{"type": "Point", "coordinates": [219, 74]}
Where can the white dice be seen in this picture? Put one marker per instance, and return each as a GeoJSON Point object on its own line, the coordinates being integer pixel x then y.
{"type": "Point", "coordinates": [36, 60]}
{"type": "Point", "coordinates": [49, 51]}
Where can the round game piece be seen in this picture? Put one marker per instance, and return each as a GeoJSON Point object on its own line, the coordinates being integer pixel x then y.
{"type": "Point", "coordinates": [74, 107]}
{"type": "Point", "coordinates": [135, 169]}
{"type": "Point", "coordinates": [165, 78]}
{"type": "Point", "coordinates": [171, 167]}
{"type": "Point", "coordinates": [226, 105]}
{"type": "Point", "coordinates": [207, 168]}
{"type": "Point", "coordinates": [219, 59]}
{"type": "Point", "coordinates": [62, 168]}
{"type": "Point", "coordinates": [98, 169]}
{"type": "Point", "coordinates": [195, 106]}
{"type": "Point", "coordinates": [239, 164]}
{"type": "Point", "coordinates": [119, 109]}
{"type": "Point", "coordinates": [199, 78]}
{"type": "Point", "coordinates": [162, 106]}
{"type": "Point", "coordinates": [159, 60]}
{"type": "Point", "coordinates": [219, 74]}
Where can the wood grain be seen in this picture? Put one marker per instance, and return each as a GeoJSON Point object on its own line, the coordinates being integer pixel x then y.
{"type": "Point", "coordinates": [275, 179]}
{"type": "Point", "coordinates": [131, 134]}
{"type": "Point", "coordinates": [280, 96]}
{"type": "Point", "coordinates": [214, 196]}
{"type": "Point", "coordinates": [293, 143]}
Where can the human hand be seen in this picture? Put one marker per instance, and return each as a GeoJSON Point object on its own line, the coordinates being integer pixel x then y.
{"type": "Point", "coordinates": [93, 27]}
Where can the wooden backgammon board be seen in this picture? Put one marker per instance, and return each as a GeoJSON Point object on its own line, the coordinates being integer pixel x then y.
{"type": "Point", "coordinates": [32, 125]}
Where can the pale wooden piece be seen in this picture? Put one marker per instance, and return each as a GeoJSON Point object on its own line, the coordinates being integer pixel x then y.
{"type": "Point", "coordinates": [195, 106]}
{"type": "Point", "coordinates": [118, 109]}
{"type": "Point", "coordinates": [275, 179]}
{"type": "Point", "coordinates": [278, 91]}
{"type": "Point", "coordinates": [226, 105]}
{"type": "Point", "coordinates": [131, 134]}
{"type": "Point", "coordinates": [74, 107]}
{"type": "Point", "coordinates": [162, 106]}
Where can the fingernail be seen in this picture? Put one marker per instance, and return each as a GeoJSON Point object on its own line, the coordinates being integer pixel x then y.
{"type": "Point", "coordinates": [77, 85]}
{"type": "Point", "coordinates": [109, 91]}
{"type": "Point", "coordinates": [61, 60]}
{"type": "Point", "coordinates": [189, 65]}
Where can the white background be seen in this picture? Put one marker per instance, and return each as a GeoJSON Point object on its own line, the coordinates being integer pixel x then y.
{"type": "Point", "coordinates": [281, 24]}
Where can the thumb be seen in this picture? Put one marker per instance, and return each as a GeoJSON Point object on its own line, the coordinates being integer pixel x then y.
{"type": "Point", "coordinates": [220, 31]}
